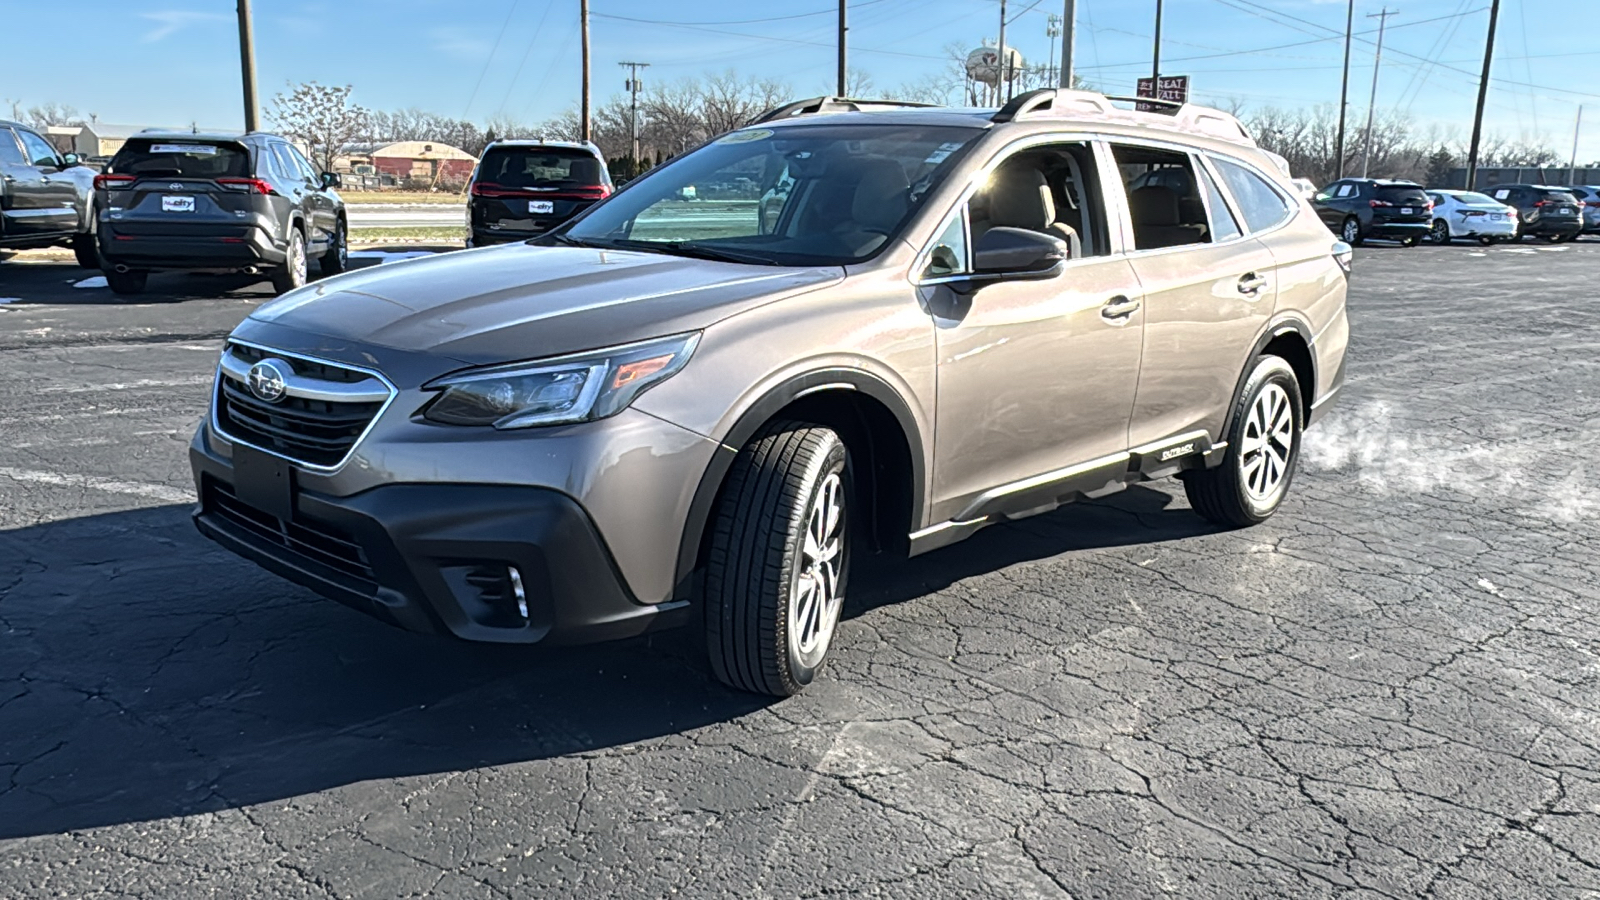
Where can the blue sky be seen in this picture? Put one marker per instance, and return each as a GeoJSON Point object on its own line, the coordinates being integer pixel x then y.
{"type": "Point", "coordinates": [175, 61]}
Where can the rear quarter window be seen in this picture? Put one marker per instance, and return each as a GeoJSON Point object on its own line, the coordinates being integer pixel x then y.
{"type": "Point", "coordinates": [1258, 201]}
{"type": "Point", "coordinates": [177, 158]}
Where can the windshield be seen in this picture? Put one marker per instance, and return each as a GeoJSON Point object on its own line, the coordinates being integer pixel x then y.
{"type": "Point", "coordinates": [800, 195]}
{"type": "Point", "coordinates": [540, 167]}
{"type": "Point", "coordinates": [179, 158]}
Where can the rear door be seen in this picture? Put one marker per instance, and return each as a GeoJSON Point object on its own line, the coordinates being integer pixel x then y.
{"type": "Point", "coordinates": [534, 189]}
{"type": "Point", "coordinates": [322, 206]}
{"type": "Point", "coordinates": [178, 187]}
{"type": "Point", "coordinates": [1338, 200]}
{"type": "Point", "coordinates": [51, 197]}
{"type": "Point", "coordinates": [303, 190]}
{"type": "Point", "coordinates": [1206, 299]}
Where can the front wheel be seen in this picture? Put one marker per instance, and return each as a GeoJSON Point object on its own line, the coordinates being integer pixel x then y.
{"type": "Point", "coordinates": [778, 559]}
{"type": "Point", "coordinates": [292, 273]}
{"type": "Point", "coordinates": [337, 257]}
{"type": "Point", "coordinates": [1350, 232]}
{"type": "Point", "coordinates": [1263, 448]}
{"type": "Point", "coordinates": [1439, 233]}
{"type": "Point", "coordinates": [86, 246]}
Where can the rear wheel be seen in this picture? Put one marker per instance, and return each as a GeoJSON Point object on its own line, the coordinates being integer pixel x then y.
{"type": "Point", "coordinates": [86, 246]}
{"type": "Point", "coordinates": [292, 273]}
{"type": "Point", "coordinates": [129, 282]}
{"type": "Point", "coordinates": [1263, 448]}
{"type": "Point", "coordinates": [1554, 238]}
{"type": "Point", "coordinates": [1350, 231]}
{"type": "Point", "coordinates": [778, 560]}
{"type": "Point", "coordinates": [1486, 241]}
{"type": "Point", "coordinates": [337, 257]}
{"type": "Point", "coordinates": [1410, 241]}
{"type": "Point", "coordinates": [1439, 233]}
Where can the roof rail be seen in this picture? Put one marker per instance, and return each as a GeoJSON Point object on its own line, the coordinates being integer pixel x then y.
{"type": "Point", "coordinates": [1184, 116]}
{"type": "Point", "coordinates": [817, 105]}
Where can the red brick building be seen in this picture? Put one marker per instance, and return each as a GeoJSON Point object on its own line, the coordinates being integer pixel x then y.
{"type": "Point", "coordinates": [422, 161]}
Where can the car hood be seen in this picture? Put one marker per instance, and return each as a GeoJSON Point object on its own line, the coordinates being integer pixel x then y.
{"type": "Point", "coordinates": [523, 302]}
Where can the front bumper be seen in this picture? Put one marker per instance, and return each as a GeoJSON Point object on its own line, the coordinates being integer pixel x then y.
{"type": "Point", "coordinates": [438, 558]}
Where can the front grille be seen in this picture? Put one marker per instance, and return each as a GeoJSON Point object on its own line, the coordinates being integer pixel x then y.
{"type": "Point", "coordinates": [321, 543]}
{"type": "Point", "coordinates": [313, 431]}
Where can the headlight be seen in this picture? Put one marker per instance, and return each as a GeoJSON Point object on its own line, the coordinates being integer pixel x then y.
{"type": "Point", "coordinates": [575, 388]}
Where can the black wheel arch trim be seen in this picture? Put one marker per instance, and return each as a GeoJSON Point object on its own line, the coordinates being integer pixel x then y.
{"type": "Point", "coordinates": [759, 413]}
{"type": "Point", "coordinates": [1288, 323]}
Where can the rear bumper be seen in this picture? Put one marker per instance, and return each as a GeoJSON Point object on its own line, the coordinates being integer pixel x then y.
{"type": "Point", "coordinates": [188, 251]}
{"type": "Point", "coordinates": [436, 558]}
{"type": "Point", "coordinates": [1546, 226]}
{"type": "Point", "coordinates": [1398, 229]}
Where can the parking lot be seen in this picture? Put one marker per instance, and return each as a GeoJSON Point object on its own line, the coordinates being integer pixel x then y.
{"type": "Point", "coordinates": [1390, 689]}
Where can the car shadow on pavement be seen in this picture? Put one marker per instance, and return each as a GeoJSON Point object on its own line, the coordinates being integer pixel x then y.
{"type": "Point", "coordinates": [146, 675]}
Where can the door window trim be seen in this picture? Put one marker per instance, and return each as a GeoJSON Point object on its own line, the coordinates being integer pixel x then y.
{"type": "Point", "coordinates": [981, 177]}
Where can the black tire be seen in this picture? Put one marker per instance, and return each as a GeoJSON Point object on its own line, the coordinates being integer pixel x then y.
{"type": "Point", "coordinates": [292, 272]}
{"type": "Point", "coordinates": [1222, 494]}
{"type": "Point", "coordinates": [1410, 241]}
{"type": "Point", "coordinates": [337, 257]}
{"type": "Point", "coordinates": [755, 558]}
{"type": "Point", "coordinates": [1350, 231]}
{"type": "Point", "coordinates": [129, 282]}
{"type": "Point", "coordinates": [1553, 238]}
{"type": "Point", "coordinates": [86, 246]}
{"type": "Point", "coordinates": [1487, 241]}
{"type": "Point", "coordinates": [1439, 233]}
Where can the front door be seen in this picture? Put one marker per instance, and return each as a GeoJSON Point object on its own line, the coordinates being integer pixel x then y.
{"type": "Point", "coordinates": [41, 200]}
{"type": "Point", "coordinates": [1036, 379]}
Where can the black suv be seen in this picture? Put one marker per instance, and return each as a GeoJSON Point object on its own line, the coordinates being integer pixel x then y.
{"type": "Point", "coordinates": [45, 197]}
{"type": "Point", "coordinates": [524, 188]}
{"type": "Point", "coordinates": [1360, 208]}
{"type": "Point", "coordinates": [1547, 211]}
{"type": "Point", "coordinates": [249, 203]}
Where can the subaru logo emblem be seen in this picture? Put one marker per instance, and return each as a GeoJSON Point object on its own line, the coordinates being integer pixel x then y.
{"type": "Point", "coordinates": [269, 380]}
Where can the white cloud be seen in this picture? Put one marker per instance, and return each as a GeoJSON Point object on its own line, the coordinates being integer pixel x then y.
{"type": "Point", "coordinates": [171, 21]}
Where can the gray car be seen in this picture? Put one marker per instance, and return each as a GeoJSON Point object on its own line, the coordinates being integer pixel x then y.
{"type": "Point", "coordinates": [660, 415]}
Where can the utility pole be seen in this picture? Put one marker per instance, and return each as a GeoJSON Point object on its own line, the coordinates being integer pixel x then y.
{"type": "Point", "coordinates": [1572, 167]}
{"type": "Point", "coordinates": [1372, 105]}
{"type": "Point", "coordinates": [1004, 83]}
{"type": "Point", "coordinates": [1483, 95]}
{"type": "Point", "coordinates": [1052, 30]}
{"type": "Point", "coordinates": [1344, 86]}
{"type": "Point", "coordinates": [583, 26]}
{"type": "Point", "coordinates": [1155, 64]}
{"type": "Point", "coordinates": [247, 63]}
{"type": "Point", "coordinates": [1069, 21]}
{"type": "Point", "coordinates": [633, 120]}
{"type": "Point", "coordinates": [844, 28]}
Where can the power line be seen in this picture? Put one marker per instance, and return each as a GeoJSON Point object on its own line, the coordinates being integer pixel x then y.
{"type": "Point", "coordinates": [764, 37]}
{"type": "Point", "coordinates": [490, 58]}
{"type": "Point", "coordinates": [524, 61]}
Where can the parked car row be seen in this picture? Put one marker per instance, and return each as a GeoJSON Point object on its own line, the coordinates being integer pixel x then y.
{"type": "Point", "coordinates": [1360, 208]}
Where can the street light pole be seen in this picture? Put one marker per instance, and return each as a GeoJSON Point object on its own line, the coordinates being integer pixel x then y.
{"type": "Point", "coordinates": [1377, 61]}
{"type": "Point", "coordinates": [1155, 64]}
{"type": "Point", "coordinates": [844, 28]}
{"type": "Point", "coordinates": [1004, 65]}
{"type": "Point", "coordinates": [583, 114]}
{"type": "Point", "coordinates": [247, 64]}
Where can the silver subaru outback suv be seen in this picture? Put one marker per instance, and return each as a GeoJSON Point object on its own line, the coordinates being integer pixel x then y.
{"type": "Point", "coordinates": [875, 328]}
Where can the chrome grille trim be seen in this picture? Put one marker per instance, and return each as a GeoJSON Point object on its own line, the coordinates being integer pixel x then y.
{"type": "Point", "coordinates": [311, 389]}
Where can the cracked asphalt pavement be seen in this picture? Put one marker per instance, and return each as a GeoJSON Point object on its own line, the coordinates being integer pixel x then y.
{"type": "Point", "coordinates": [1389, 690]}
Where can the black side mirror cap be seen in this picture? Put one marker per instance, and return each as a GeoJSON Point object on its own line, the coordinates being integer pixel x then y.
{"type": "Point", "coordinates": [1018, 254]}
{"type": "Point", "coordinates": [70, 159]}
{"type": "Point", "coordinates": [332, 180]}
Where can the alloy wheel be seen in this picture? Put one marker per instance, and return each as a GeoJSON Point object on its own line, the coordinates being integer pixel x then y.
{"type": "Point", "coordinates": [1267, 443]}
{"type": "Point", "coordinates": [815, 598]}
{"type": "Point", "coordinates": [1440, 233]}
{"type": "Point", "coordinates": [1352, 231]}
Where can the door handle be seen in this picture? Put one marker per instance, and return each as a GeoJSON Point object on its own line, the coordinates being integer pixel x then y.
{"type": "Point", "coordinates": [1118, 309]}
{"type": "Point", "coordinates": [1250, 283]}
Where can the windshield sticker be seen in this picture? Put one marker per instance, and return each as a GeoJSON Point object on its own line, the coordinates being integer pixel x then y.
{"type": "Point", "coordinates": [196, 149]}
{"type": "Point", "coordinates": [744, 137]}
{"type": "Point", "coordinates": [942, 154]}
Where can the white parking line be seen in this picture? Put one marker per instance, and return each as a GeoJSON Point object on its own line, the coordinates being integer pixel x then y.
{"type": "Point", "coordinates": [162, 492]}
{"type": "Point", "coordinates": [126, 385]}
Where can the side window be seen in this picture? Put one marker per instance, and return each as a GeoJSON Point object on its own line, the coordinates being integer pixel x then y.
{"type": "Point", "coordinates": [1347, 190]}
{"type": "Point", "coordinates": [1260, 204]}
{"type": "Point", "coordinates": [1224, 227]}
{"type": "Point", "coordinates": [10, 150]}
{"type": "Point", "coordinates": [39, 152]}
{"type": "Point", "coordinates": [303, 164]}
{"type": "Point", "coordinates": [286, 164]}
{"type": "Point", "coordinates": [1166, 208]}
{"type": "Point", "coordinates": [1502, 194]}
{"type": "Point", "coordinates": [949, 254]}
{"type": "Point", "coordinates": [1053, 189]}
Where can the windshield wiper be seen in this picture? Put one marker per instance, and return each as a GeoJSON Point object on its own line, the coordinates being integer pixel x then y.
{"type": "Point", "coordinates": [696, 251]}
{"type": "Point", "coordinates": [569, 241]}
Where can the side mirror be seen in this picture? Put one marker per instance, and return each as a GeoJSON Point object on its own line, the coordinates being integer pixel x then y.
{"type": "Point", "coordinates": [332, 180]}
{"type": "Point", "coordinates": [70, 159]}
{"type": "Point", "coordinates": [1017, 254]}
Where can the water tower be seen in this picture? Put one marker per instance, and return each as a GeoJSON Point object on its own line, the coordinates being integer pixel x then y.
{"type": "Point", "coordinates": [984, 67]}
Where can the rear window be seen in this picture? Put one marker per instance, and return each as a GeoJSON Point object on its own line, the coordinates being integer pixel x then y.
{"type": "Point", "coordinates": [527, 167]}
{"type": "Point", "coordinates": [177, 158]}
{"type": "Point", "coordinates": [1476, 199]}
{"type": "Point", "coordinates": [1402, 194]}
{"type": "Point", "coordinates": [1559, 197]}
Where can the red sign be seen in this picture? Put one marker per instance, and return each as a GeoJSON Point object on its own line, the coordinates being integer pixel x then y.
{"type": "Point", "coordinates": [1174, 88]}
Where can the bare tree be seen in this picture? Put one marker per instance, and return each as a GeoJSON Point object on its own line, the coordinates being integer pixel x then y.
{"type": "Point", "coordinates": [46, 114]}
{"type": "Point", "coordinates": [322, 116]}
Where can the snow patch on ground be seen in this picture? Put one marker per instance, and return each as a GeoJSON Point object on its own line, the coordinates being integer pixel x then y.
{"type": "Point", "coordinates": [5, 300]}
{"type": "Point", "coordinates": [389, 256]}
{"type": "Point", "coordinates": [99, 281]}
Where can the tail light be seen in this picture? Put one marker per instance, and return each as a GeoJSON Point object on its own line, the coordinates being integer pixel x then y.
{"type": "Point", "coordinates": [490, 189]}
{"type": "Point", "coordinates": [248, 185]}
{"type": "Point", "coordinates": [108, 182]}
{"type": "Point", "coordinates": [487, 189]}
{"type": "Point", "coordinates": [1377, 203]}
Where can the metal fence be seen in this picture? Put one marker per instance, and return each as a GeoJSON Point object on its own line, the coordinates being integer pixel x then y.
{"type": "Point", "coordinates": [1547, 175]}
